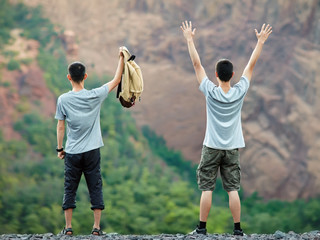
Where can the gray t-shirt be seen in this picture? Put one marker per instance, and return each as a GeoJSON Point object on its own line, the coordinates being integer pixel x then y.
{"type": "Point", "coordinates": [224, 130]}
{"type": "Point", "coordinates": [81, 110]}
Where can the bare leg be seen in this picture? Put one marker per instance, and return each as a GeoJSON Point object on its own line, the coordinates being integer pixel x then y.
{"type": "Point", "coordinates": [205, 205]}
{"type": "Point", "coordinates": [68, 217]}
{"type": "Point", "coordinates": [97, 217]}
{"type": "Point", "coordinates": [235, 206]}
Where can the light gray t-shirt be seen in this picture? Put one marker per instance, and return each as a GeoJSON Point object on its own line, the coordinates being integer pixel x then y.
{"type": "Point", "coordinates": [81, 110]}
{"type": "Point", "coordinates": [224, 130]}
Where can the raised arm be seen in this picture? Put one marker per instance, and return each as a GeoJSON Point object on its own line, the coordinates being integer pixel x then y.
{"type": "Point", "coordinates": [262, 36]}
{"type": "Point", "coordinates": [117, 77]}
{"type": "Point", "coordinates": [188, 34]}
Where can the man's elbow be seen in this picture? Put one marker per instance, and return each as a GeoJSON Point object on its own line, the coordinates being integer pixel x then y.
{"type": "Point", "coordinates": [197, 66]}
{"type": "Point", "coordinates": [112, 84]}
{"type": "Point", "coordinates": [251, 65]}
{"type": "Point", "coordinates": [249, 69]}
{"type": "Point", "coordinates": [61, 129]}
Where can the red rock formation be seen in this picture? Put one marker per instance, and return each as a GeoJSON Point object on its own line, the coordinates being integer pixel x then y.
{"type": "Point", "coordinates": [69, 42]}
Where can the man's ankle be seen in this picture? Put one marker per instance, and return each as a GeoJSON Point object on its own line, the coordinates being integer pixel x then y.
{"type": "Point", "coordinates": [202, 225]}
{"type": "Point", "coordinates": [237, 226]}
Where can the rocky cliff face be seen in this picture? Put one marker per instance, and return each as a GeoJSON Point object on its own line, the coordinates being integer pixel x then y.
{"type": "Point", "coordinates": [281, 110]}
{"type": "Point", "coordinates": [23, 89]}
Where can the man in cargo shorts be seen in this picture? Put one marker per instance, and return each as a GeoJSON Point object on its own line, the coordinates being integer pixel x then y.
{"type": "Point", "coordinates": [223, 135]}
{"type": "Point", "coordinates": [80, 108]}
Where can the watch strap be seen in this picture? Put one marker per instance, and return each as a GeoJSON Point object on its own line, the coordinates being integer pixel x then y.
{"type": "Point", "coordinates": [59, 150]}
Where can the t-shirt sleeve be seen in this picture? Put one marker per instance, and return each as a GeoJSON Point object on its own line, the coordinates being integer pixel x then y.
{"type": "Point", "coordinates": [243, 85]}
{"type": "Point", "coordinates": [102, 92]}
{"type": "Point", "coordinates": [60, 114]}
{"type": "Point", "coordinates": [206, 86]}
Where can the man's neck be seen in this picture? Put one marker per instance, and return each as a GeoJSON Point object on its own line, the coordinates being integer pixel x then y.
{"type": "Point", "coordinates": [225, 86]}
{"type": "Point", "coordinates": [77, 87]}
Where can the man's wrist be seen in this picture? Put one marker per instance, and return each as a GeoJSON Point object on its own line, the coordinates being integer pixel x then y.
{"type": "Point", "coordinates": [59, 149]}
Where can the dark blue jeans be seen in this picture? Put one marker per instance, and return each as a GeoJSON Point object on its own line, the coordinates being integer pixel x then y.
{"type": "Point", "coordinates": [87, 163]}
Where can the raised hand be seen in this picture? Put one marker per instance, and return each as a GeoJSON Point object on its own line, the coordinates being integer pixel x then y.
{"type": "Point", "coordinates": [186, 28]}
{"type": "Point", "coordinates": [264, 33]}
{"type": "Point", "coordinates": [120, 52]}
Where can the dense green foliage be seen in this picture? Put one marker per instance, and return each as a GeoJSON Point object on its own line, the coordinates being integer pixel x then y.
{"type": "Point", "coordinates": [148, 188]}
{"type": "Point", "coordinates": [267, 217]}
{"type": "Point", "coordinates": [172, 158]}
{"type": "Point", "coordinates": [32, 22]}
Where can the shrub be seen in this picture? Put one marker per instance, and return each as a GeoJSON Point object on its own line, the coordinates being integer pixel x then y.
{"type": "Point", "coordinates": [26, 61]}
{"type": "Point", "coordinates": [13, 65]}
{"type": "Point", "coordinates": [5, 84]}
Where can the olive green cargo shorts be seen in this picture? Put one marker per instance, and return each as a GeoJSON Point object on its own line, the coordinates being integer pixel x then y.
{"type": "Point", "coordinates": [211, 160]}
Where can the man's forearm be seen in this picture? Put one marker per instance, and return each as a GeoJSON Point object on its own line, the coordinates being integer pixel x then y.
{"type": "Point", "coordinates": [60, 136]}
{"type": "Point", "coordinates": [117, 76]}
{"type": "Point", "coordinates": [193, 53]}
{"type": "Point", "coordinates": [255, 54]}
{"type": "Point", "coordinates": [199, 70]}
{"type": "Point", "coordinates": [253, 59]}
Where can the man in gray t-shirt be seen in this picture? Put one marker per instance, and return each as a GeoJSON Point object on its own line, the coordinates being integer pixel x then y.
{"type": "Point", "coordinates": [223, 135]}
{"type": "Point", "coordinates": [80, 109]}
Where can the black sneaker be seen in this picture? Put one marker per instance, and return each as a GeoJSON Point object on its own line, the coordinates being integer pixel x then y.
{"type": "Point", "coordinates": [238, 232]}
{"type": "Point", "coordinates": [198, 230]}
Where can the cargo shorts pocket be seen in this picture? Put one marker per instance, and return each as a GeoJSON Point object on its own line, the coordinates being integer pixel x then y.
{"type": "Point", "coordinates": [231, 171]}
{"type": "Point", "coordinates": [208, 169]}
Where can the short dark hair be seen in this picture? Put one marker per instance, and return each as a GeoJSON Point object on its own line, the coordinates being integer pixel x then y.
{"type": "Point", "coordinates": [224, 69]}
{"type": "Point", "coordinates": [77, 70]}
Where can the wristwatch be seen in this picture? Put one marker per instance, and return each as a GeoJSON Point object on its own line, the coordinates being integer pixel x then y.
{"type": "Point", "coordinates": [59, 150]}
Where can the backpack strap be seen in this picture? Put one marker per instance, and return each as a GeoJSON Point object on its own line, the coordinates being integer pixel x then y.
{"type": "Point", "coordinates": [131, 58]}
{"type": "Point", "coordinates": [119, 87]}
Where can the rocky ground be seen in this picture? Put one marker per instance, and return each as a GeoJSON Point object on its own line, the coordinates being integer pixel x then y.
{"type": "Point", "coordinates": [276, 235]}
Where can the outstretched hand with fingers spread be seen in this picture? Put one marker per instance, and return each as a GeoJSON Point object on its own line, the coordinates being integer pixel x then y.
{"type": "Point", "coordinates": [264, 33]}
{"type": "Point", "coordinates": [186, 28]}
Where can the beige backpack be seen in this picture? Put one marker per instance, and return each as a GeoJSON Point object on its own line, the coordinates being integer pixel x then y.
{"type": "Point", "coordinates": [131, 85]}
